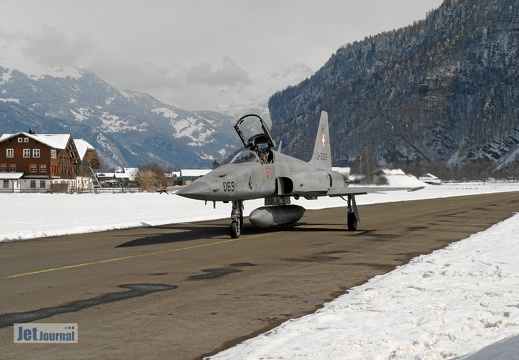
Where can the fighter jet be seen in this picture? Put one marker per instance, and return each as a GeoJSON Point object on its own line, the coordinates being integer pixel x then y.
{"type": "Point", "coordinates": [259, 171]}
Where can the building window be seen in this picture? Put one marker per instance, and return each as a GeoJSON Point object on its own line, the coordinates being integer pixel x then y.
{"type": "Point", "coordinates": [42, 184]}
{"type": "Point", "coordinates": [12, 167]}
{"type": "Point", "coordinates": [43, 168]}
{"type": "Point", "coordinates": [33, 184]}
{"type": "Point", "coordinates": [6, 184]}
{"type": "Point", "coordinates": [20, 139]}
{"type": "Point", "coordinates": [35, 153]}
{"type": "Point", "coordinates": [32, 168]}
{"type": "Point", "coordinates": [26, 140]}
{"type": "Point", "coordinates": [3, 167]}
{"type": "Point", "coordinates": [9, 153]}
{"type": "Point", "coordinates": [26, 153]}
{"type": "Point", "coordinates": [53, 154]}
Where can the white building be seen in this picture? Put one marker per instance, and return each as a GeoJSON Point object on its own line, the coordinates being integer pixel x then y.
{"type": "Point", "coordinates": [396, 178]}
{"type": "Point", "coordinates": [189, 175]}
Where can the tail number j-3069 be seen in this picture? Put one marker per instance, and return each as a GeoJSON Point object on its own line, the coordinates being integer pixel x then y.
{"type": "Point", "coordinates": [228, 186]}
{"type": "Point", "coordinates": [322, 156]}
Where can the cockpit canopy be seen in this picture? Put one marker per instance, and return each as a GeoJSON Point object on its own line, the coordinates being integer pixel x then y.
{"type": "Point", "coordinates": [253, 131]}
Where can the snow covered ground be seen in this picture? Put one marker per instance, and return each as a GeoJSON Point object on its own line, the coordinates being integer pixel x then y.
{"type": "Point", "coordinates": [461, 301]}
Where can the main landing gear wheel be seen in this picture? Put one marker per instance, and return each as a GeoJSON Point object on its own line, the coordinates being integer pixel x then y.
{"type": "Point", "coordinates": [353, 217]}
{"type": "Point", "coordinates": [352, 221]}
{"type": "Point", "coordinates": [236, 219]}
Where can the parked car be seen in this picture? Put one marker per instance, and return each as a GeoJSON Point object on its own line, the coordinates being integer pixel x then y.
{"type": "Point", "coordinates": [112, 183]}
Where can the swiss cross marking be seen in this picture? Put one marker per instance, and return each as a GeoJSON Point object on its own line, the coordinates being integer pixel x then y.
{"type": "Point", "coordinates": [267, 172]}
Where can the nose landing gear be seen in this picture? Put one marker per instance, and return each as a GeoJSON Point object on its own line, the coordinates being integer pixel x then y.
{"type": "Point", "coordinates": [236, 219]}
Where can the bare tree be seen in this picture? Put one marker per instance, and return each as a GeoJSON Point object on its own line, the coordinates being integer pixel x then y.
{"type": "Point", "coordinates": [151, 177]}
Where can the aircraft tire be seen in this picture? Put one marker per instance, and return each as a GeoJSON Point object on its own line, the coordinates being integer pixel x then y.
{"type": "Point", "coordinates": [235, 229]}
{"type": "Point", "coordinates": [352, 222]}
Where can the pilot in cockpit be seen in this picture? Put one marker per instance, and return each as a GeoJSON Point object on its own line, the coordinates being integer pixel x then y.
{"type": "Point", "coordinates": [264, 153]}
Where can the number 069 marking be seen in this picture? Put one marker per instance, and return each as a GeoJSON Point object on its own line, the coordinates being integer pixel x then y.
{"type": "Point", "coordinates": [228, 186]}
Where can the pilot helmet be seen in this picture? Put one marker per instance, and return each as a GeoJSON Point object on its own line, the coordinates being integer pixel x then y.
{"type": "Point", "coordinates": [262, 147]}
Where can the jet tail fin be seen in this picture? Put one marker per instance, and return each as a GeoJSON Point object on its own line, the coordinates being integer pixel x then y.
{"type": "Point", "coordinates": [322, 155]}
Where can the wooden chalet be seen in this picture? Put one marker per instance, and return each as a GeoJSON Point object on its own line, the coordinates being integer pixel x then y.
{"type": "Point", "coordinates": [39, 162]}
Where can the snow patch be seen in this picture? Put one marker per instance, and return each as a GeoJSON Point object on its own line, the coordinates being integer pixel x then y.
{"type": "Point", "coordinates": [10, 100]}
{"type": "Point", "coordinates": [167, 113]}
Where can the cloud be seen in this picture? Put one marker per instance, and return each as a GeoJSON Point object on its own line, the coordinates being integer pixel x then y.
{"type": "Point", "coordinates": [227, 74]}
{"type": "Point", "coordinates": [52, 48]}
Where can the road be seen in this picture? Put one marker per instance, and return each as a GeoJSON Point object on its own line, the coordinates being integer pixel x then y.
{"type": "Point", "coordinates": [183, 291]}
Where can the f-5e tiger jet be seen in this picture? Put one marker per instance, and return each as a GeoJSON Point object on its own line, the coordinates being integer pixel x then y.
{"type": "Point", "coordinates": [259, 171]}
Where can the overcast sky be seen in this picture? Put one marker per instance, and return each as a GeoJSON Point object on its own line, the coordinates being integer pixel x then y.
{"type": "Point", "coordinates": [184, 52]}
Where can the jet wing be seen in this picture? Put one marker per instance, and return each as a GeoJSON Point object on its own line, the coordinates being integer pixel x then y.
{"type": "Point", "coordinates": [363, 190]}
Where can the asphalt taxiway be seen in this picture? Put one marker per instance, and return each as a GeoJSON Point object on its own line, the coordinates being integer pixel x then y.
{"type": "Point", "coordinates": [187, 290]}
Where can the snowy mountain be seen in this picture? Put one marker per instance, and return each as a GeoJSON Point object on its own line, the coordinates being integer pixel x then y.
{"type": "Point", "coordinates": [253, 97]}
{"type": "Point", "coordinates": [126, 128]}
{"type": "Point", "coordinates": [440, 95]}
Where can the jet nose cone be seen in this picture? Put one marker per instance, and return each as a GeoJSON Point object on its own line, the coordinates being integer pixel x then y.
{"type": "Point", "coordinates": [196, 190]}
